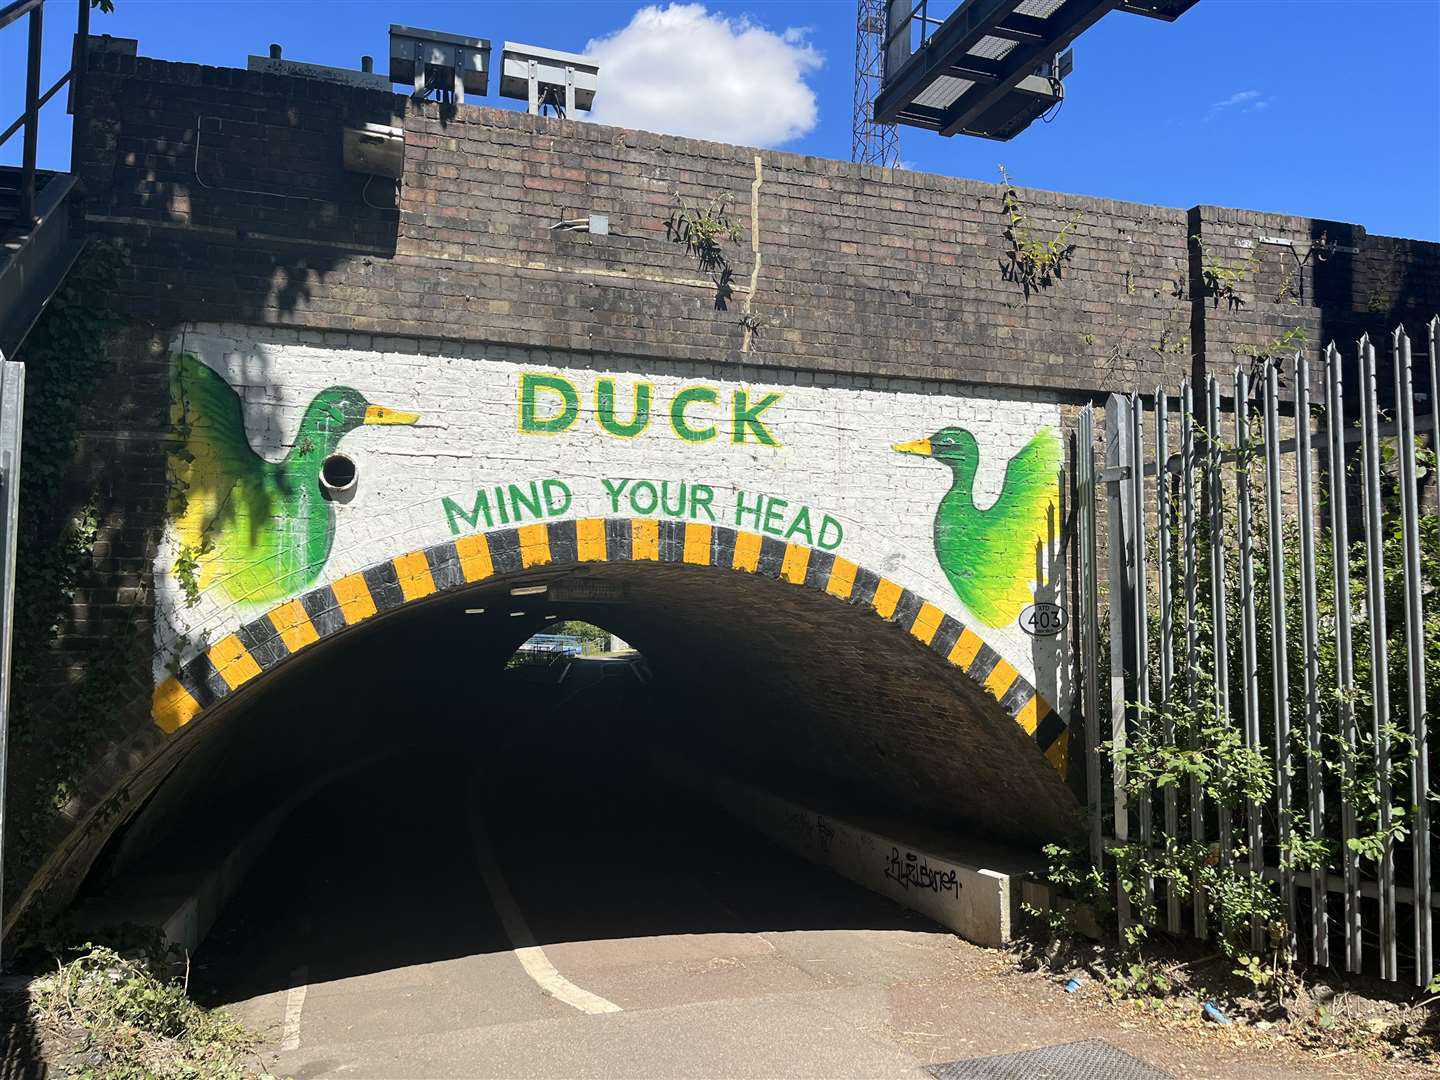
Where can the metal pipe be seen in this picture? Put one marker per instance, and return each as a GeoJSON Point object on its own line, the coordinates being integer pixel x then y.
{"type": "Point", "coordinates": [1344, 648]}
{"type": "Point", "coordinates": [1279, 644]}
{"type": "Point", "coordinates": [79, 61]}
{"type": "Point", "coordinates": [1379, 660]}
{"type": "Point", "coordinates": [1310, 629]}
{"type": "Point", "coordinates": [275, 51]}
{"type": "Point", "coordinates": [32, 118]}
{"type": "Point", "coordinates": [1414, 655]}
{"type": "Point", "coordinates": [1090, 633]}
{"type": "Point", "coordinates": [1248, 649]}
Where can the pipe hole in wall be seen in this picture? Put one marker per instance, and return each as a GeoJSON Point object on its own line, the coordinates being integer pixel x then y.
{"type": "Point", "coordinates": [338, 474]}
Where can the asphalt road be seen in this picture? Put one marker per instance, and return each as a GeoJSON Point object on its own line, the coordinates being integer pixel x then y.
{"type": "Point", "coordinates": [510, 908]}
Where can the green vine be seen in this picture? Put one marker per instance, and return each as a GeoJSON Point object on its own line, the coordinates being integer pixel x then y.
{"type": "Point", "coordinates": [56, 723]}
{"type": "Point", "coordinates": [1220, 281]}
{"type": "Point", "coordinates": [1032, 263]}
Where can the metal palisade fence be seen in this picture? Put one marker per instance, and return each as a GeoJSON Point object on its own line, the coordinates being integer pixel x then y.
{"type": "Point", "coordinates": [1259, 764]}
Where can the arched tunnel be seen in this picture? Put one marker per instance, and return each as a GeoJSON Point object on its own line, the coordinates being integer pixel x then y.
{"type": "Point", "coordinates": [400, 772]}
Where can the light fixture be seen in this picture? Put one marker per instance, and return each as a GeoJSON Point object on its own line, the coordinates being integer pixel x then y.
{"type": "Point", "coordinates": [514, 614]}
{"type": "Point", "coordinates": [474, 611]}
{"type": "Point", "coordinates": [530, 590]}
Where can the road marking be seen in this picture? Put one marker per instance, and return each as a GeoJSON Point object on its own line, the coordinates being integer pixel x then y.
{"type": "Point", "coordinates": [531, 956]}
{"type": "Point", "coordinates": [294, 1006]}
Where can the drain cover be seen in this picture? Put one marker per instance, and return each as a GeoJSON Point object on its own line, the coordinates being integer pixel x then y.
{"type": "Point", "coordinates": [1091, 1059]}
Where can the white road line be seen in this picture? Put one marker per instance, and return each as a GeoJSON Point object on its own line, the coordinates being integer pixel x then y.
{"type": "Point", "coordinates": [294, 1006]}
{"type": "Point", "coordinates": [531, 956]}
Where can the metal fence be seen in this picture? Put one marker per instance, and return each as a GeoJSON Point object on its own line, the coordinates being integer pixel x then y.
{"type": "Point", "coordinates": [1272, 568]}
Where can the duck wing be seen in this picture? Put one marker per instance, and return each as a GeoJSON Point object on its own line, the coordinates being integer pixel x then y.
{"type": "Point", "coordinates": [214, 473]}
{"type": "Point", "coordinates": [1005, 534]}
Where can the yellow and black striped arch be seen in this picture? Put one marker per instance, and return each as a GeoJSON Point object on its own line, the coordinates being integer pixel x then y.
{"type": "Point", "coordinates": [262, 644]}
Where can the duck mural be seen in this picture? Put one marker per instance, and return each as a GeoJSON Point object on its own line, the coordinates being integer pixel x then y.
{"type": "Point", "coordinates": [260, 530]}
{"type": "Point", "coordinates": [989, 555]}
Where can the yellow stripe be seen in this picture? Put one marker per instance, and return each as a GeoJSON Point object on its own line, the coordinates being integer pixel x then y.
{"type": "Point", "coordinates": [1059, 753]}
{"type": "Point", "coordinates": [842, 578]}
{"type": "Point", "coordinates": [234, 663]}
{"type": "Point", "coordinates": [887, 595]}
{"type": "Point", "coordinates": [747, 552]}
{"type": "Point", "coordinates": [172, 707]}
{"type": "Point", "coordinates": [356, 604]}
{"type": "Point", "coordinates": [645, 540]}
{"type": "Point", "coordinates": [590, 540]}
{"type": "Point", "coordinates": [965, 649]}
{"type": "Point", "coordinates": [1000, 678]}
{"type": "Point", "coordinates": [294, 626]}
{"type": "Point", "coordinates": [474, 552]}
{"type": "Point", "coordinates": [797, 561]}
{"type": "Point", "coordinates": [534, 545]}
{"type": "Point", "coordinates": [927, 622]}
{"type": "Point", "coordinates": [414, 573]}
{"type": "Point", "coordinates": [697, 544]}
{"type": "Point", "coordinates": [1028, 716]}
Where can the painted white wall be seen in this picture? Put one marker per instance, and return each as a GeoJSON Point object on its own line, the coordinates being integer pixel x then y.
{"type": "Point", "coordinates": [834, 456]}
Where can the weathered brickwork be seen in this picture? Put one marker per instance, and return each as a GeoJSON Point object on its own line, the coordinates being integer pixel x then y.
{"type": "Point", "coordinates": [873, 302]}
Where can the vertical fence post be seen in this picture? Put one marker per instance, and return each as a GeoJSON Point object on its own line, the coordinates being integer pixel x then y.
{"type": "Point", "coordinates": [12, 411]}
{"type": "Point", "coordinates": [1190, 547]}
{"type": "Point", "coordinates": [1140, 624]}
{"type": "Point", "coordinates": [1415, 656]}
{"type": "Point", "coordinates": [1310, 629]}
{"type": "Point", "coordinates": [1120, 521]}
{"type": "Point", "coordinates": [1164, 518]}
{"type": "Point", "coordinates": [1379, 660]}
{"type": "Point", "coordinates": [1279, 644]}
{"type": "Point", "coordinates": [1255, 841]}
{"type": "Point", "coordinates": [1219, 632]}
{"type": "Point", "coordinates": [1344, 644]}
{"type": "Point", "coordinates": [32, 117]}
{"type": "Point", "coordinates": [1090, 632]}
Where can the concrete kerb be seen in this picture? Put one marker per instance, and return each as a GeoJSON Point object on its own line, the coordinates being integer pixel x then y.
{"type": "Point", "coordinates": [971, 888]}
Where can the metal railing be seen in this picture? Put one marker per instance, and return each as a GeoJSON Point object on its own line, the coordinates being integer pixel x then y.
{"type": "Point", "coordinates": [1310, 647]}
{"type": "Point", "coordinates": [29, 120]}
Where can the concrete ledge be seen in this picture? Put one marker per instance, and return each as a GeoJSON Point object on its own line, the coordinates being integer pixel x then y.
{"type": "Point", "coordinates": [972, 888]}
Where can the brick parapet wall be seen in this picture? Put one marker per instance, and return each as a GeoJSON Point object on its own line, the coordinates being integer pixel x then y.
{"type": "Point", "coordinates": [864, 270]}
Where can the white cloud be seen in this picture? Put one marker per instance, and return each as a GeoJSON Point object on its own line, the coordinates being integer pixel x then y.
{"type": "Point", "coordinates": [684, 71]}
{"type": "Point", "coordinates": [1244, 101]}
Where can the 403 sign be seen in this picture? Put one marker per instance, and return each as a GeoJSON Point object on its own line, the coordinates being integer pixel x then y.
{"type": "Point", "coordinates": [1043, 619]}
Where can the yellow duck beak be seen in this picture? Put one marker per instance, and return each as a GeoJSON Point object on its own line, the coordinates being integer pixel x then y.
{"type": "Point", "coordinates": [379, 414]}
{"type": "Point", "coordinates": [918, 446]}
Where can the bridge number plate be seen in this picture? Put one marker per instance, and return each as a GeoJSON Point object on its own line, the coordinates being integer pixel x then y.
{"type": "Point", "coordinates": [1043, 619]}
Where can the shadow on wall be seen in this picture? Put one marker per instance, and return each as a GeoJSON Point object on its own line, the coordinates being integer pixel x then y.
{"type": "Point", "coordinates": [1051, 651]}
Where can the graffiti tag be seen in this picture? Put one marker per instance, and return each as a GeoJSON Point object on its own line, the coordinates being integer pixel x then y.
{"type": "Point", "coordinates": [913, 871]}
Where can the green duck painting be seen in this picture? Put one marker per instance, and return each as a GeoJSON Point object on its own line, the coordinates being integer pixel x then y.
{"type": "Point", "coordinates": [989, 554]}
{"type": "Point", "coordinates": [259, 530]}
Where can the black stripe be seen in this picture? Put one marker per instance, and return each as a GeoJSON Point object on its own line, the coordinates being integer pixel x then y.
{"type": "Point", "coordinates": [1048, 730]}
{"type": "Point", "coordinates": [984, 663]}
{"type": "Point", "coordinates": [324, 610]}
{"type": "Point", "coordinates": [772, 557]}
{"type": "Point", "coordinates": [906, 608]}
{"type": "Point", "coordinates": [946, 637]}
{"type": "Point", "coordinates": [505, 551]}
{"type": "Point", "coordinates": [384, 585]}
{"type": "Point", "coordinates": [445, 568]}
{"type": "Point", "coordinates": [866, 582]}
{"type": "Point", "coordinates": [1015, 698]}
{"type": "Point", "coordinates": [672, 541]}
{"type": "Point", "coordinates": [203, 681]}
{"type": "Point", "coordinates": [617, 540]}
{"type": "Point", "coordinates": [263, 642]}
{"type": "Point", "coordinates": [722, 547]}
{"type": "Point", "coordinates": [564, 545]}
{"type": "Point", "coordinates": [817, 574]}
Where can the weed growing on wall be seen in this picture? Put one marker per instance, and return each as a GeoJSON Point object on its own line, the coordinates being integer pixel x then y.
{"type": "Point", "coordinates": [1220, 281]}
{"type": "Point", "coordinates": [1032, 262]}
{"type": "Point", "coordinates": [704, 231]}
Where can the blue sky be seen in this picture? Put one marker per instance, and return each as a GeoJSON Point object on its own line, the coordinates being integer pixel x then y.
{"type": "Point", "coordinates": [1328, 109]}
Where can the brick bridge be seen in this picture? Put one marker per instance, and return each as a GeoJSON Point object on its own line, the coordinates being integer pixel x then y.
{"type": "Point", "coordinates": [354, 439]}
